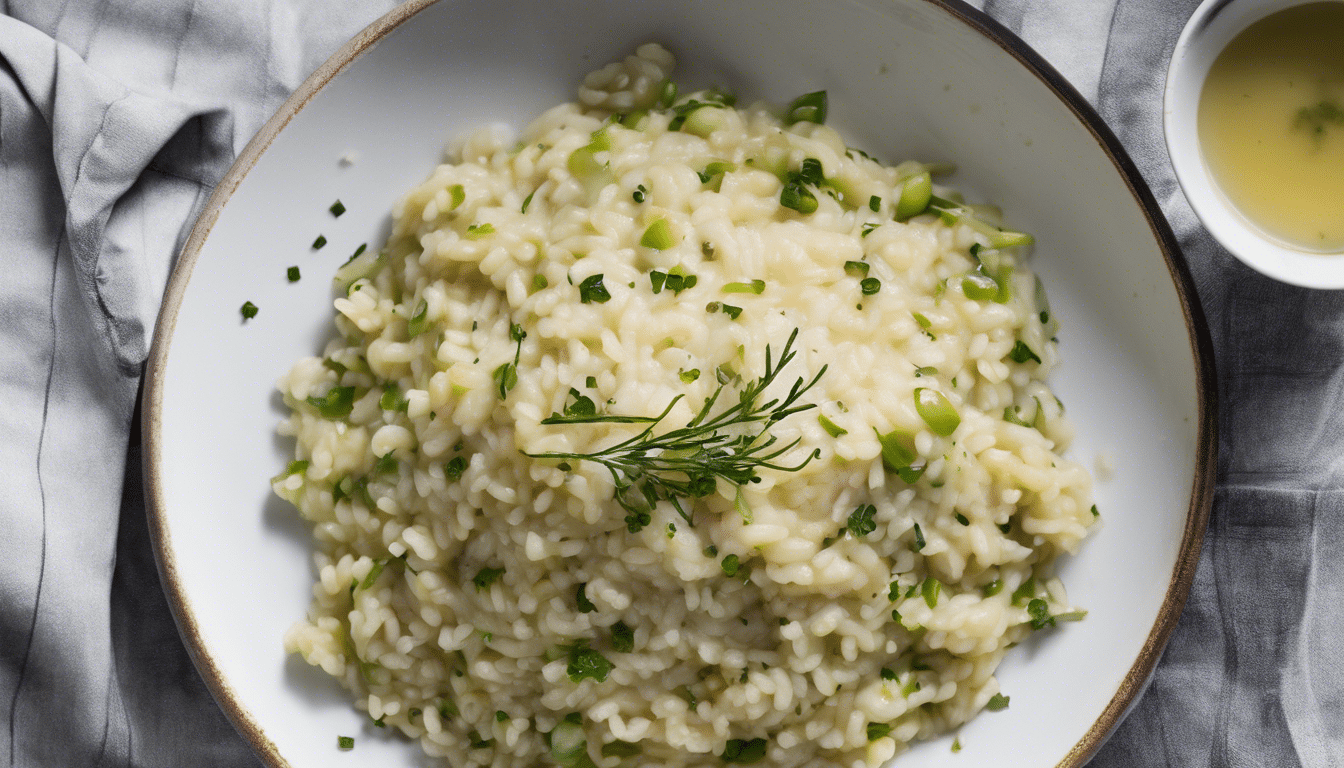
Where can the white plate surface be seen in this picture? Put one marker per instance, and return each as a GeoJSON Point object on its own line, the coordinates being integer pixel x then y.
{"type": "Point", "coordinates": [909, 79]}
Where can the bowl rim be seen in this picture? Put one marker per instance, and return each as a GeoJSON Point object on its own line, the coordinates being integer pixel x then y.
{"type": "Point", "coordinates": [1202, 486]}
{"type": "Point", "coordinates": [1211, 27]}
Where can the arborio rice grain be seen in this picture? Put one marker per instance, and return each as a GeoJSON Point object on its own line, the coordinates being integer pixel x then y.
{"type": "Point", "coordinates": [628, 249]}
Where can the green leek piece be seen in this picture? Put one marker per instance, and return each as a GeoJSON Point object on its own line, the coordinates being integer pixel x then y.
{"type": "Point", "coordinates": [416, 324]}
{"type": "Point", "coordinates": [658, 236]}
{"type": "Point", "coordinates": [810, 107]}
{"type": "Point", "coordinates": [832, 429]}
{"type": "Point", "coordinates": [336, 404]}
{"type": "Point", "coordinates": [916, 193]}
{"type": "Point", "coordinates": [978, 286]}
{"type": "Point", "coordinates": [755, 286]}
{"type": "Point", "coordinates": [248, 310]}
{"type": "Point", "coordinates": [857, 269]}
{"type": "Point", "coordinates": [936, 411]}
{"type": "Point", "coordinates": [897, 449]}
{"type": "Point", "coordinates": [457, 194]}
{"type": "Point", "coordinates": [930, 589]}
{"type": "Point", "coordinates": [997, 702]}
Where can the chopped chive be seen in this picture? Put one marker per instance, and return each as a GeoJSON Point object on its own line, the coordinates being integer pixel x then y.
{"type": "Point", "coordinates": [336, 404]}
{"type": "Point", "coordinates": [391, 399]}
{"type": "Point", "coordinates": [693, 374]}
{"type": "Point", "coordinates": [1039, 610]}
{"type": "Point", "coordinates": [870, 285]}
{"type": "Point", "coordinates": [319, 242]}
{"type": "Point", "coordinates": [457, 195]}
{"type": "Point", "coordinates": [622, 638]}
{"type": "Point", "coordinates": [1095, 513]}
{"type": "Point", "coordinates": [857, 269]}
{"type": "Point", "coordinates": [539, 282]}
{"type": "Point", "coordinates": [923, 321]}
{"type": "Point", "coordinates": [667, 93]}
{"type": "Point", "coordinates": [731, 311]}
{"type": "Point", "coordinates": [249, 310]}
{"type": "Point", "coordinates": [345, 742]}
{"type": "Point", "coordinates": [638, 195]}
{"type": "Point", "coordinates": [960, 518]}
{"type": "Point", "coordinates": [755, 286]}
{"type": "Point", "coordinates": [592, 290]}
{"type": "Point", "coordinates": [896, 449]}
{"type": "Point", "coordinates": [657, 236]}
{"type": "Point", "coordinates": [1025, 591]}
{"type": "Point", "coordinates": [926, 371]}
{"type": "Point", "coordinates": [832, 429]}
{"type": "Point", "coordinates": [810, 107]}
{"type": "Point", "coordinates": [992, 588]}
{"type": "Point", "coordinates": [337, 208]}
{"type": "Point", "coordinates": [581, 599]}
{"type": "Point", "coordinates": [730, 565]}
{"type": "Point", "coordinates": [930, 589]}
{"type": "Point", "coordinates": [710, 551]}
{"type": "Point", "coordinates": [796, 197]}
{"type": "Point", "coordinates": [486, 576]}
{"type": "Point", "coordinates": [527, 201]}
{"type": "Point", "coordinates": [919, 538]}
{"type": "Point", "coordinates": [868, 229]}
{"type": "Point", "coordinates": [888, 674]}
{"type": "Point", "coordinates": [874, 203]}
{"type": "Point", "coordinates": [997, 702]}
{"type": "Point", "coordinates": [861, 522]}
{"type": "Point", "coordinates": [293, 274]}
{"type": "Point", "coordinates": [714, 169]}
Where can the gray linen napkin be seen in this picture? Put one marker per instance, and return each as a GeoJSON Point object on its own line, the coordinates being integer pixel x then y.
{"type": "Point", "coordinates": [109, 145]}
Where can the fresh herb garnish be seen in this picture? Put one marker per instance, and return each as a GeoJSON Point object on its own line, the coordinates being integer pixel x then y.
{"type": "Point", "coordinates": [740, 752]}
{"type": "Point", "coordinates": [1039, 610]}
{"type": "Point", "coordinates": [997, 702]}
{"type": "Point", "coordinates": [506, 375]}
{"type": "Point", "coordinates": [755, 286]}
{"type": "Point", "coordinates": [345, 742]}
{"type": "Point", "coordinates": [416, 324]}
{"type": "Point", "coordinates": [452, 471]}
{"type": "Point", "coordinates": [249, 310]}
{"type": "Point", "coordinates": [861, 521]}
{"type": "Point", "coordinates": [336, 404]}
{"type": "Point", "coordinates": [874, 203]}
{"type": "Point", "coordinates": [486, 576]}
{"type": "Point", "coordinates": [581, 599]}
{"type": "Point", "coordinates": [832, 429]}
{"type": "Point", "coordinates": [592, 290]}
{"type": "Point", "coordinates": [527, 201]}
{"type": "Point", "coordinates": [870, 285]}
{"type": "Point", "coordinates": [586, 663]}
{"type": "Point", "coordinates": [1022, 353]}
{"type": "Point", "coordinates": [810, 107]}
{"type": "Point", "coordinates": [477, 231]}
{"type": "Point", "coordinates": [857, 269]}
{"type": "Point", "coordinates": [658, 236]}
{"type": "Point", "coordinates": [337, 208]}
{"type": "Point", "coordinates": [319, 242]}
{"type": "Point", "coordinates": [878, 730]}
{"type": "Point", "coordinates": [622, 638]}
{"type": "Point", "coordinates": [686, 463]}
{"type": "Point", "coordinates": [293, 274]}
{"type": "Point", "coordinates": [730, 565]}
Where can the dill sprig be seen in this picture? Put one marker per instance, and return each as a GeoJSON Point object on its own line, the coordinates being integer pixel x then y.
{"type": "Point", "coordinates": [686, 463]}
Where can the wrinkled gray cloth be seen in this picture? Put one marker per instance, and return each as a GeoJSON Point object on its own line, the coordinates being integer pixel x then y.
{"type": "Point", "coordinates": [117, 117]}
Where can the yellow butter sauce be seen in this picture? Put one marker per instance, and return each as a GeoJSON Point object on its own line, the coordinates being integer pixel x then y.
{"type": "Point", "coordinates": [1271, 124]}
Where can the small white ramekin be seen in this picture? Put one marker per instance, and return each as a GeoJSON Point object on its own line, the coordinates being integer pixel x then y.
{"type": "Point", "coordinates": [1214, 24]}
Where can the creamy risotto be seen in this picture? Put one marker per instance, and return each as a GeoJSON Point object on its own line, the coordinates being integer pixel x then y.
{"type": "Point", "coordinates": [677, 434]}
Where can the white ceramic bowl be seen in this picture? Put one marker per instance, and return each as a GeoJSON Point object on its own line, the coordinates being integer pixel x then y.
{"type": "Point", "coordinates": [907, 78]}
{"type": "Point", "coordinates": [1214, 24]}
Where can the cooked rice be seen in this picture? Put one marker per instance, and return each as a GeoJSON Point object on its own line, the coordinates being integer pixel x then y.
{"type": "Point", "coordinates": [801, 647]}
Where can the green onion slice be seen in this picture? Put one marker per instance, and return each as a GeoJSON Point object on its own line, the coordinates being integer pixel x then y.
{"type": "Point", "coordinates": [658, 236]}
{"type": "Point", "coordinates": [916, 193]}
{"type": "Point", "coordinates": [810, 107]}
{"type": "Point", "coordinates": [936, 411]}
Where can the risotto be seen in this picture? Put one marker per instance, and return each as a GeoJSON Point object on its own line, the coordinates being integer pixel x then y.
{"type": "Point", "coordinates": [678, 434]}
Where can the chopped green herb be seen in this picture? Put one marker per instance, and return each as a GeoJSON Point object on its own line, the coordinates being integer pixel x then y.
{"type": "Point", "coordinates": [755, 286]}
{"type": "Point", "coordinates": [485, 577]}
{"type": "Point", "coordinates": [249, 310]}
{"type": "Point", "coordinates": [581, 598]}
{"type": "Point", "coordinates": [501, 716]}
{"type": "Point", "coordinates": [870, 285]}
{"type": "Point", "coordinates": [457, 195]}
{"type": "Point", "coordinates": [861, 521]}
{"type": "Point", "coordinates": [689, 376]}
{"type": "Point", "coordinates": [874, 203]}
{"type": "Point", "coordinates": [962, 519]}
{"type": "Point", "coordinates": [337, 208]}
{"type": "Point", "coordinates": [345, 742]}
{"type": "Point", "coordinates": [658, 236]}
{"type": "Point", "coordinates": [1025, 591]}
{"type": "Point", "coordinates": [878, 730]}
{"type": "Point", "coordinates": [638, 194]}
{"type": "Point", "coordinates": [622, 638]}
{"type": "Point", "coordinates": [319, 242]}
{"type": "Point", "coordinates": [997, 702]}
{"type": "Point", "coordinates": [296, 467]}
{"type": "Point", "coordinates": [956, 744]}
{"type": "Point", "coordinates": [714, 169]}
{"type": "Point", "coordinates": [293, 274]}
{"type": "Point", "coordinates": [911, 687]}
{"type": "Point", "coordinates": [336, 404]}
{"type": "Point", "coordinates": [888, 674]}
{"type": "Point", "coordinates": [586, 663]}
{"type": "Point", "coordinates": [731, 311]}
{"type": "Point", "coordinates": [657, 279]}
{"type": "Point", "coordinates": [730, 565]}
{"type": "Point", "coordinates": [592, 290]}
{"type": "Point", "coordinates": [527, 201]}
{"type": "Point", "coordinates": [915, 195]}
{"type": "Point", "coordinates": [539, 282]}
{"type": "Point", "coordinates": [1095, 513]}
{"type": "Point", "coordinates": [832, 429]}
{"type": "Point", "coordinates": [1022, 353]}
{"type": "Point", "coordinates": [1006, 527]}
{"type": "Point", "coordinates": [621, 749]}
{"type": "Point", "coordinates": [919, 538]}
{"type": "Point", "coordinates": [1039, 610]}
{"type": "Point", "coordinates": [452, 471]}
{"type": "Point", "coordinates": [923, 321]}
{"type": "Point", "coordinates": [386, 464]}
{"type": "Point", "coordinates": [739, 752]}
{"type": "Point", "coordinates": [477, 742]}
{"type": "Point", "coordinates": [992, 588]}
{"type": "Point", "coordinates": [868, 230]}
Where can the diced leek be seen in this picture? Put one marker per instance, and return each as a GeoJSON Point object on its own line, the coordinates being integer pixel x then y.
{"type": "Point", "coordinates": [979, 287]}
{"type": "Point", "coordinates": [714, 169]}
{"type": "Point", "coordinates": [667, 93]}
{"type": "Point", "coordinates": [797, 197]}
{"type": "Point", "coordinates": [755, 286]}
{"type": "Point", "coordinates": [897, 449]}
{"type": "Point", "coordinates": [704, 121]}
{"type": "Point", "coordinates": [457, 195]}
{"type": "Point", "coordinates": [916, 193]}
{"type": "Point", "coordinates": [364, 264]}
{"type": "Point", "coordinates": [1006, 238]}
{"type": "Point", "coordinates": [930, 589]}
{"type": "Point", "coordinates": [568, 743]}
{"type": "Point", "coordinates": [335, 404]}
{"type": "Point", "coordinates": [416, 324]}
{"type": "Point", "coordinates": [936, 411]}
{"type": "Point", "coordinates": [477, 231]}
{"type": "Point", "coordinates": [658, 236]}
{"type": "Point", "coordinates": [832, 429]}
